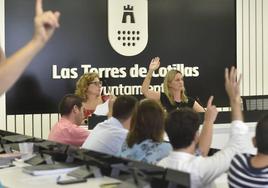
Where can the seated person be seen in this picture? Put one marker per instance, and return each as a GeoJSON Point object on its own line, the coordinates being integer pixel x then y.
{"type": "Point", "coordinates": [182, 129]}
{"type": "Point", "coordinates": [67, 130]}
{"type": "Point", "coordinates": [247, 170]}
{"type": "Point", "coordinates": [109, 136]}
{"type": "Point", "coordinates": [174, 95]}
{"type": "Point", "coordinates": [145, 139]}
{"type": "Point", "coordinates": [88, 87]}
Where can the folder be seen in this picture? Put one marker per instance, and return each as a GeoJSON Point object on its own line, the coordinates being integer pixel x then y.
{"type": "Point", "coordinates": [49, 169]}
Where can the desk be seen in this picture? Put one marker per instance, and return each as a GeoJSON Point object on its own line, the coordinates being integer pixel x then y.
{"type": "Point", "coordinates": [221, 133]}
{"type": "Point", "coordinates": [221, 128]}
{"type": "Point", "coordinates": [13, 177]}
{"type": "Point", "coordinates": [249, 116]}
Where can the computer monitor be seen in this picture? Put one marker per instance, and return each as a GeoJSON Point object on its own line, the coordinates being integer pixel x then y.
{"type": "Point", "coordinates": [256, 102]}
{"type": "Point", "coordinates": [93, 120]}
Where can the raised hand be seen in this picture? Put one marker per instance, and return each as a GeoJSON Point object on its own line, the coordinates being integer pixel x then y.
{"type": "Point", "coordinates": [205, 138]}
{"type": "Point", "coordinates": [45, 23]}
{"type": "Point", "coordinates": [232, 85]}
{"type": "Point", "coordinates": [155, 63]}
{"type": "Point", "coordinates": [112, 99]}
{"type": "Point", "coordinates": [12, 67]}
{"type": "Point", "coordinates": [211, 112]}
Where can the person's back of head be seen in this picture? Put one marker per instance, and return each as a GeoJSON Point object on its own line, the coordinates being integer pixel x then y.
{"type": "Point", "coordinates": [181, 127]}
{"type": "Point", "coordinates": [68, 102]}
{"type": "Point", "coordinates": [262, 134]}
{"type": "Point", "coordinates": [123, 107]}
{"type": "Point", "coordinates": [147, 123]}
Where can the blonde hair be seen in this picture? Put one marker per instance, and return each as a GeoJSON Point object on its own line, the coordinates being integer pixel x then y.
{"type": "Point", "coordinates": [168, 78]}
{"type": "Point", "coordinates": [82, 84]}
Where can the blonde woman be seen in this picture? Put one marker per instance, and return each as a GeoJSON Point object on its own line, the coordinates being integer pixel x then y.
{"type": "Point", "coordinates": [174, 96]}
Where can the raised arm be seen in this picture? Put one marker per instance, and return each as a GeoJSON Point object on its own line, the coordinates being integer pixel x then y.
{"type": "Point", "coordinates": [112, 98]}
{"type": "Point", "coordinates": [2, 55]}
{"type": "Point", "coordinates": [233, 91]}
{"type": "Point", "coordinates": [205, 138]}
{"type": "Point", "coordinates": [213, 166]}
{"type": "Point", "coordinates": [198, 108]}
{"type": "Point", "coordinates": [232, 87]}
{"type": "Point", "coordinates": [155, 63]}
{"type": "Point", "coordinates": [11, 68]}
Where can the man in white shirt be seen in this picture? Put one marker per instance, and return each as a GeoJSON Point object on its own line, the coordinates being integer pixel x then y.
{"type": "Point", "coordinates": [108, 136]}
{"type": "Point", "coordinates": [182, 129]}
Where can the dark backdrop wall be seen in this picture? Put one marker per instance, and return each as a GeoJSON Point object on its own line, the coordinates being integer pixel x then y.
{"type": "Point", "coordinates": [196, 36]}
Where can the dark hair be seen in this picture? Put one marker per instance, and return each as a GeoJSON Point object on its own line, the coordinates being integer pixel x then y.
{"type": "Point", "coordinates": [181, 127]}
{"type": "Point", "coordinates": [262, 134]}
{"type": "Point", "coordinates": [123, 107]}
{"type": "Point", "coordinates": [68, 102]}
{"type": "Point", "coordinates": [147, 123]}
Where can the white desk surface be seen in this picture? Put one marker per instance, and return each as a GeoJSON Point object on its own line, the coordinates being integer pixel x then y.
{"type": "Point", "coordinates": [13, 177]}
{"type": "Point", "coordinates": [222, 181]}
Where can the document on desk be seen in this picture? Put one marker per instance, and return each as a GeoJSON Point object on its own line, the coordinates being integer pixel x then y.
{"type": "Point", "coordinates": [102, 109]}
{"type": "Point", "coordinates": [10, 156]}
{"type": "Point", "coordinates": [7, 158]}
{"type": "Point", "coordinates": [49, 169]}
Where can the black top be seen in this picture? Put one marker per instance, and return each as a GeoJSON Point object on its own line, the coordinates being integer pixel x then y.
{"type": "Point", "coordinates": [169, 107]}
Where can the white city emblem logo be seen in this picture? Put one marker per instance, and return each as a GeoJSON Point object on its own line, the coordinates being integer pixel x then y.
{"type": "Point", "coordinates": [128, 26]}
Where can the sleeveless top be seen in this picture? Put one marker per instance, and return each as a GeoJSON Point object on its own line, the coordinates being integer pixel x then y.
{"type": "Point", "coordinates": [169, 107]}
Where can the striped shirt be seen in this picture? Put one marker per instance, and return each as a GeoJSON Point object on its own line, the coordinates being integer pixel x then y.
{"type": "Point", "coordinates": [243, 174]}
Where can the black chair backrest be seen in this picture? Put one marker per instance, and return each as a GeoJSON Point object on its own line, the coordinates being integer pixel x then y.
{"type": "Point", "coordinates": [178, 178]}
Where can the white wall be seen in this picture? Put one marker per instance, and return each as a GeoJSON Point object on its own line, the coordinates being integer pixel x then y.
{"type": "Point", "coordinates": [2, 43]}
{"type": "Point", "coordinates": [252, 45]}
{"type": "Point", "coordinates": [252, 62]}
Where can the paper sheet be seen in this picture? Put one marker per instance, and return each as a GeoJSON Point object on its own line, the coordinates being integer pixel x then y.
{"type": "Point", "coordinates": [102, 109]}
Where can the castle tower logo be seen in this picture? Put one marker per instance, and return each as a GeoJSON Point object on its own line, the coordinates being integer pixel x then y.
{"type": "Point", "coordinates": [128, 26]}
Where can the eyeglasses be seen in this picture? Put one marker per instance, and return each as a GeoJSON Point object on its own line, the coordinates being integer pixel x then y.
{"type": "Point", "coordinates": [96, 83]}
